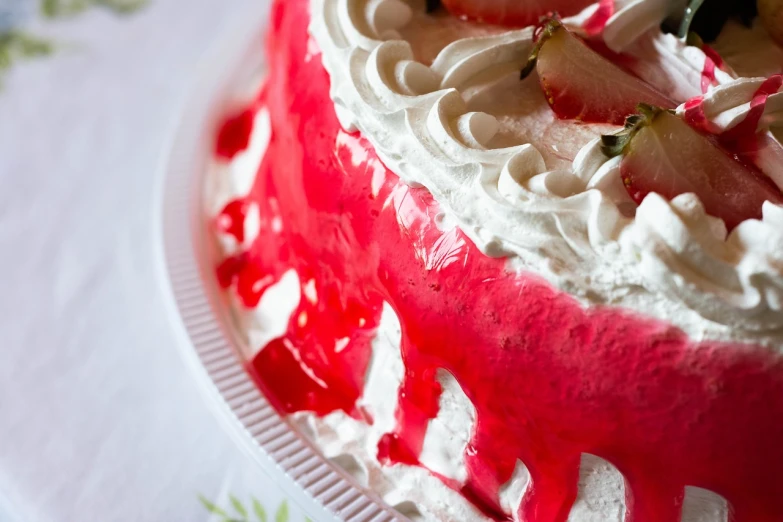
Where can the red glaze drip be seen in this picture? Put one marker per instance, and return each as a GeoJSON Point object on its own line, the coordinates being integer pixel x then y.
{"type": "Point", "coordinates": [597, 21]}
{"type": "Point", "coordinates": [234, 134]}
{"type": "Point", "coordinates": [231, 220]}
{"type": "Point", "coordinates": [694, 114]}
{"type": "Point", "coordinates": [711, 60]}
{"type": "Point", "coordinates": [228, 270]}
{"type": "Point", "coordinates": [746, 129]}
{"type": "Point", "coordinates": [713, 55]}
{"type": "Point", "coordinates": [549, 379]}
{"type": "Point", "coordinates": [243, 271]}
{"type": "Point", "coordinates": [707, 74]}
{"type": "Point", "coordinates": [251, 282]}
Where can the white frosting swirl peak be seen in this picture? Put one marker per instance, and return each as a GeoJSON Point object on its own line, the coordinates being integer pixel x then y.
{"type": "Point", "coordinates": [685, 254]}
{"type": "Point", "coordinates": [386, 16]}
{"type": "Point", "coordinates": [635, 17]}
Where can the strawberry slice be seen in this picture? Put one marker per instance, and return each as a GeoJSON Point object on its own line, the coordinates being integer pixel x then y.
{"type": "Point", "coordinates": [665, 155]}
{"type": "Point", "coordinates": [518, 13]}
{"type": "Point", "coordinates": [581, 84]}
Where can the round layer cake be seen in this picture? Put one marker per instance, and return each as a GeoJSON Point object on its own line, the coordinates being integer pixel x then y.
{"type": "Point", "coordinates": [528, 273]}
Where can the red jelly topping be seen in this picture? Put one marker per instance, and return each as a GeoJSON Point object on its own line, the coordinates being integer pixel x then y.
{"type": "Point", "coordinates": [251, 282]}
{"type": "Point", "coordinates": [548, 378]}
{"type": "Point", "coordinates": [231, 220]}
{"type": "Point", "coordinates": [707, 74]}
{"type": "Point", "coordinates": [234, 135]}
{"type": "Point", "coordinates": [711, 60]}
{"type": "Point", "coordinates": [230, 268]}
{"type": "Point", "coordinates": [694, 113]}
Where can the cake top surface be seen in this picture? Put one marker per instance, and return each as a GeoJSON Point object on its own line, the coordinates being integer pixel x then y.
{"type": "Point", "coordinates": [441, 100]}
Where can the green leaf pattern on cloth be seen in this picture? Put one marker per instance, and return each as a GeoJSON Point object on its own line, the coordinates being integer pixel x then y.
{"type": "Point", "coordinates": [259, 510]}
{"type": "Point", "coordinates": [242, 513]}
{"type": "Point", "coordinates": [238, 507]}
{"type": "Point", "coordinates": [282, 513]}
{"type": "Point", "coordinates": [212, 508]}
{"type": "Point", "coordinates": [61, 8]}
{"type": "Point", "coordinates": [17, 44]}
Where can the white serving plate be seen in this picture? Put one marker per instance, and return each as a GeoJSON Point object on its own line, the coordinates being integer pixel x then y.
{"type": "Point", "coordinates": [206, 335]}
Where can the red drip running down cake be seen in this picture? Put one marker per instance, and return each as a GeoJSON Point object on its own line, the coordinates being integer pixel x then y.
{"type": "Point", "coordinates": [504, 267]}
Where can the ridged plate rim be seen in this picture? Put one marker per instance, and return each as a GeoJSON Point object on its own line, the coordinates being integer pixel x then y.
{"type": "Point", "coordinates": [205, 330]}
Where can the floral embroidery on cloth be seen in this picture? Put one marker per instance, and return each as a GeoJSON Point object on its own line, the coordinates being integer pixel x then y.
{"type": "Point", "coordinates": [17, 44]}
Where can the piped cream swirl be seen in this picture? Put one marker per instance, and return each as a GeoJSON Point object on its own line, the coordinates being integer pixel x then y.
{"type": "Point", "coordinates": [685, 254]}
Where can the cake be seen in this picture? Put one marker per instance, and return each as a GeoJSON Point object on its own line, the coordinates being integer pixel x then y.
{"type": "Point", "coordinates": [506, 267]}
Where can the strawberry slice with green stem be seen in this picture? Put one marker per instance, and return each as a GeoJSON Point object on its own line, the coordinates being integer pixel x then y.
{"type": "Point", "coordinates": [518, 13]}
{"type": "Point", "coordinates": [665, 155]}
{"type": "Point", "coordinates": [581, 84]}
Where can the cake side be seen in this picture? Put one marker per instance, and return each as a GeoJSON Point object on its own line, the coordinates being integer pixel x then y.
{"type": "Point", "coordinates": [549, 380]}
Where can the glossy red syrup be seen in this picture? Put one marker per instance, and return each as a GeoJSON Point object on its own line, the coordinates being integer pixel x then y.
{"type": "Point", "coordinates": [231, 220]}
{"type": "Point", "coordinates": [234, 134]}
{"type": "Point", "coordinates": [549, 379]}
{"type": "Point", "coordinates": [712, 60]}
{"type": "Point", "coordinates": [694, 114]}
{"type": "Point", "coordinates": [707, 74]}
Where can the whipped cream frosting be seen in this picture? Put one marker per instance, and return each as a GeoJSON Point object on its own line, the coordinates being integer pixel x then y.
{"type": "Point", "coordinates": [561, 213]}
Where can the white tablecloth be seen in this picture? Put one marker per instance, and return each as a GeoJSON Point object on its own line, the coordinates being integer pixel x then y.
{"type": "Point", "coordinates": [100, 419]}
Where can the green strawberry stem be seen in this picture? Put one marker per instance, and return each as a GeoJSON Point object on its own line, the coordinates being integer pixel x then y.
{"type": "Point", "coordinates": [544, 31]}
{"type": "Point", "coordinates": [613, 145]}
